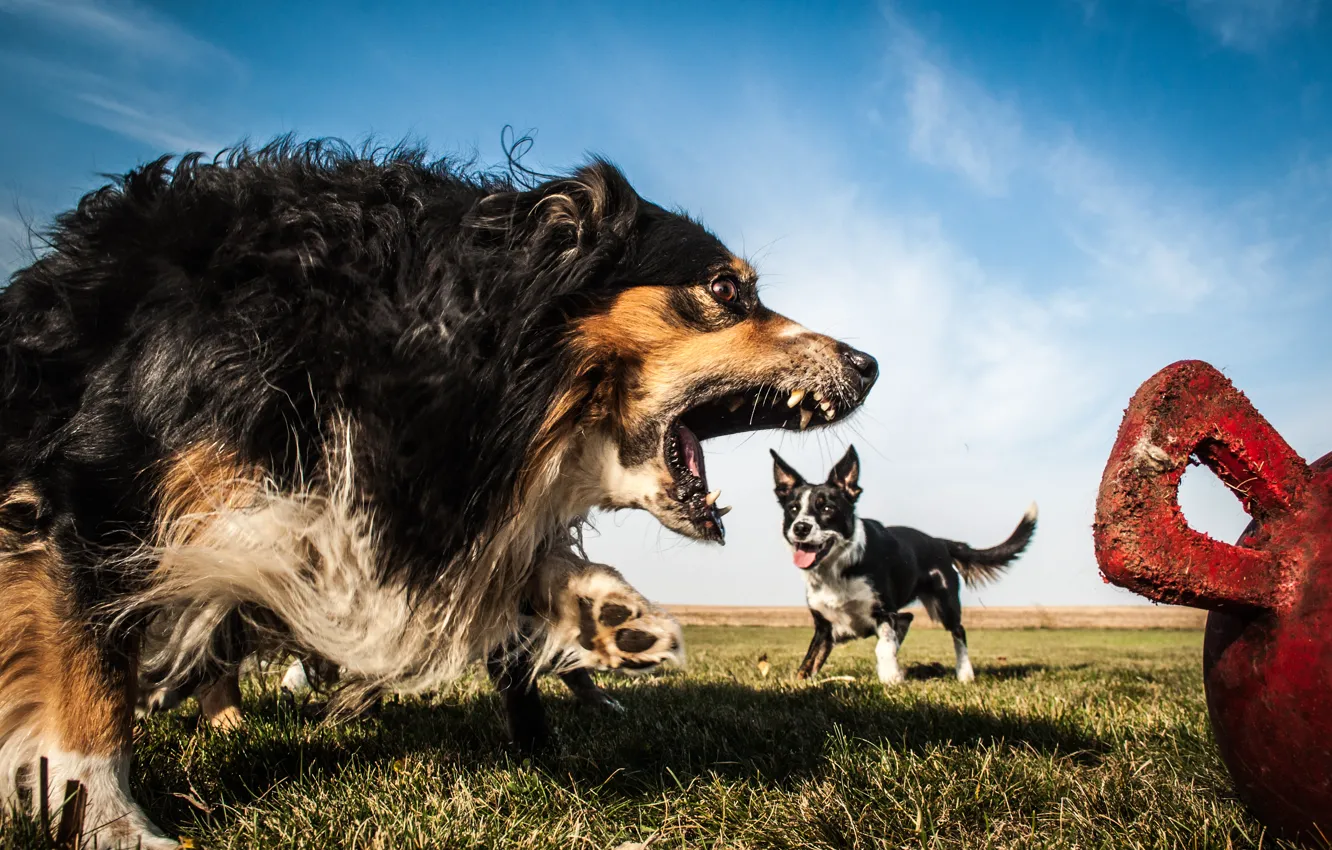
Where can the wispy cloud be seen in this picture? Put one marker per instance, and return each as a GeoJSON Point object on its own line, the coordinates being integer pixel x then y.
{"type": "Point", "coordinates": [1251, 25]}
{"type": "Point", "coordinates": [123, 26]}
{"type": "Point", "coordinates": [121, 67]}
{"type": "Point", "coordinates": [1163, 255]}
{"type": "Point", "coordinates": [113, 102]}
{"type": "Point", "coordinates": [164, 132]}
{"type": "Point", "coordinates": [1165, 252]}
{"type": "Point", "coordinates": [971, 135]}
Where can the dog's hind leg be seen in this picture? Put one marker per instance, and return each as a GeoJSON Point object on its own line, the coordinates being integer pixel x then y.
{"type": "Point", "coordinates": [949, 608]}
{"type": "Point", "coordinates": [295, 679]}
{"type": "Point", "coordinates": [901, 624]}
{"type": "Point", "coordinates": [153, 697]}
{"type": "Point", "coordinates": [66, 696]}
{"type": "Point", "coordinates": [220, 701]}
{"type": "Point", "coordinates": [218, 694]}
{"type": "Point", "coordinates": [215, 682]}
{"type": "Point", "coordinates": [965, 673]}
{"type": "Point", "coordinates": [309, 673]}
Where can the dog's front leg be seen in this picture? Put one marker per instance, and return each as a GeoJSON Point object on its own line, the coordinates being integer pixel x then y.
{"type": "Point", "coordinates": [512, 672]}
{"type": "Point", "coordinates": [585, 615]}
{"type": "Point", "coordinates": [891, 629]}
{"type": "Point", "coordinates": [819, 647]}
{"type": "Point", "coordinates": [66, 699]}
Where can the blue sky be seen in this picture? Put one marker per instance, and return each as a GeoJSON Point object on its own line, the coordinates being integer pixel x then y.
{"type": "Point", "coordinates": [1023, 209]}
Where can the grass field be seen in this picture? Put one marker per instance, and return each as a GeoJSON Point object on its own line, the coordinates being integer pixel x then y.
{"type": "Point", "coordinates": [1070, 739]}
{"type": "Point", "coordinates": [973, 617]}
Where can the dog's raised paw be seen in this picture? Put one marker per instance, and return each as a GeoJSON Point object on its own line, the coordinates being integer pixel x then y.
{"type": "Point", "coordinates": [596, 619]}
{"type": "Point", "coordinates": [620, 630]}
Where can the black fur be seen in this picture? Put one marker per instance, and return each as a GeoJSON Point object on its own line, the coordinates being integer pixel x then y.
{"type": "Point", "coordinates": [867, 587]}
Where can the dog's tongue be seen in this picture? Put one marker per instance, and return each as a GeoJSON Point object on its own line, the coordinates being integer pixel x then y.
{"type": "Point", "coordinates": [804, 558]}
{"type": "Point", "coordinates": [693, 453]}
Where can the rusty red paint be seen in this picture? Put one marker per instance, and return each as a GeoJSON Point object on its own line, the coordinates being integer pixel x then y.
{"type": "Point", "coordinates": [1267, 654]}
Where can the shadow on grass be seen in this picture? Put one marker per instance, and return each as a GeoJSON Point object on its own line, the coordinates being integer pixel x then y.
{"type": "Point", "coordinates": [673, 730]}
{"type": "Point", "coordinates": [1000, 672]}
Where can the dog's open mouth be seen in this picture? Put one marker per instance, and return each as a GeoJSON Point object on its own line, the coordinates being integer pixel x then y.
{"type": "Point", "coordinates": [759, 408]}
{"type": "Point", "coordinates": [684, 458]}
{"type": "Point", "coordinates": [807, 555]}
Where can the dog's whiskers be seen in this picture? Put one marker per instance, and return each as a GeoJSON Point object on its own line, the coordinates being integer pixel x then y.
{"type": "Point", "coordinates": [754, 412]}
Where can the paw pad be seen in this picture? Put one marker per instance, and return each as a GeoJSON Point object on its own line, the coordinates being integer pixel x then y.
{"type": "Point", "coordinates": [620, 630]}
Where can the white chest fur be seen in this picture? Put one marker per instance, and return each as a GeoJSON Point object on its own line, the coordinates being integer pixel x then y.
{"type": "Point", "coordinates": [845, 602]}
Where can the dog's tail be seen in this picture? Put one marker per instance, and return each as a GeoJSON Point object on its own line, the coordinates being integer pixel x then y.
{"type": "Point", "coordinates": [982, 566]}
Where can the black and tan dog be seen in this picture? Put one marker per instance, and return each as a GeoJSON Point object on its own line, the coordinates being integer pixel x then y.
{"type": "Point", "coordinates": [859, 573]}
{"type": "Point", "coordinates": [359, 397]}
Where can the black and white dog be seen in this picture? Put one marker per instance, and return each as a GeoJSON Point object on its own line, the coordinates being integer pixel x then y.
{"type": "Point", "coordinates": [860, 573]}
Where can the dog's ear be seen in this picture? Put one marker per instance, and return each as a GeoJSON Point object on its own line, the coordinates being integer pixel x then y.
{"type": "Point", "coordinates": [846, 474]}
{"type": "Point", "coordinates": [784, 477]}
{"type": "Point", "coordinates": [581, 218]}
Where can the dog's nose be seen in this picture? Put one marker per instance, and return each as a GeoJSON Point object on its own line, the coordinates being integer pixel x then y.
{"type": "Point", "coordinates": [801, 529]}
{"type": "Point", "coordinates": [865, 367]}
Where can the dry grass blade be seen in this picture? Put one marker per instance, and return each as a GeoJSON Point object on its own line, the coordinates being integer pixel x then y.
{"type": "Point", "coordinates": [69, 834]}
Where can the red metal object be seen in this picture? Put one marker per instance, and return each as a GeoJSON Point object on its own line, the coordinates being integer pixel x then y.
{"type": "Point", "coordinates": [1267, 654]}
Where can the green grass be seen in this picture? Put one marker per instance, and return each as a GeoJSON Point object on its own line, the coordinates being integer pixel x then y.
{"type": "Point", "coordinates": [1081, 739]}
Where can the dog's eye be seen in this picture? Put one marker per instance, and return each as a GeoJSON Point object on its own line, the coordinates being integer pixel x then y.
{"type": "Point", "coordinates": [724, 290]}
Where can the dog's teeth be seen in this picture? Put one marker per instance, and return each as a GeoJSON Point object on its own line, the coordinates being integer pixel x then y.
{"type": "Point", "coordinates": [805, 416]}
{"type": "Point", "coordinates": [796, 397]}
{"type": "Point", "coordinates": [711, 498]}
{"type": "Point", "coordinates": [734, 402]}
{"type": "Point", "coordinates": [723, 511]}
{"type": "Point", "coordinates": [818, 395]}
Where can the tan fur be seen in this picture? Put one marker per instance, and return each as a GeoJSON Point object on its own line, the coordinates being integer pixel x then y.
{"type": "Point", "coordinates": [743, 270]}
{"type": "Point", "coordinates": [640, 328]}
{"type": "Point", "coordinates": [197, 485]}
{"type": "Point", "coordinates": [49, 671]}
{"type": "Point", "coordinates": [56, 700]}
